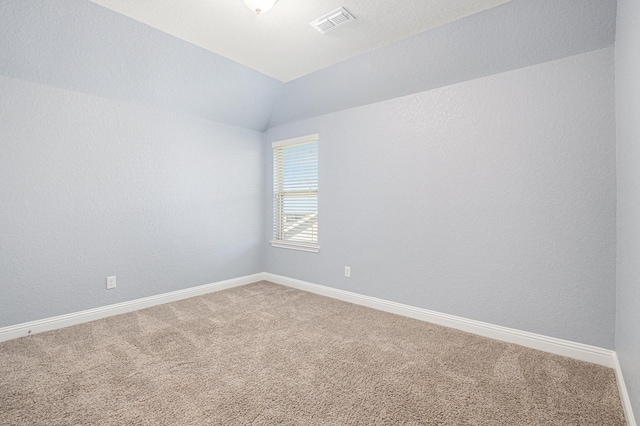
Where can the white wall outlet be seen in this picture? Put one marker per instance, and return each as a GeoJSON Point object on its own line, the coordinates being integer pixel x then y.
{"type": "Point", "coordinates": [111, 282]}
{"type": "Point", "coordinates": [347, 271]}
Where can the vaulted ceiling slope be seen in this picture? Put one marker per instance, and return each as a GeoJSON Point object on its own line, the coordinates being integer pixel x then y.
{"type": "Point", "coordinates": [281, 43]}
{"type": "Point", "coordinates": [80, 46]}
{"type": "Point", "coordinates": [514, 35]}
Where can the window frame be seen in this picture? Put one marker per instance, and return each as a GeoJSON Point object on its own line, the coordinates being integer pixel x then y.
{"type": "Point", "coordinates": [279, 195]}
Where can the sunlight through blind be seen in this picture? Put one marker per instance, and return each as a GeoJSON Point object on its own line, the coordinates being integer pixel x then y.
{"type": "Point", "coordinates": [295, 193]}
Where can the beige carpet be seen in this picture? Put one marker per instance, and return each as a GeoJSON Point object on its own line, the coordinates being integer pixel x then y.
{"type": "Point", "coordinates": [264, 354]}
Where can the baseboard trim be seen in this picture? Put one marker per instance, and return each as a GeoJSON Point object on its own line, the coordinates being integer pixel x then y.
{"type": "Point", "coordinates": [580, 351]}
{"type": "Point", "coordinates": [596, 355]}
{"type": "Point", "coordinates": [553, 345]}
{"type": "Point", "coordinates": [624, 395]}
{"type": "Point", "coordinates": [53, 323]}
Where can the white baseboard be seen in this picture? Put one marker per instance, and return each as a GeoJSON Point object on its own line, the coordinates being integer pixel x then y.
{"type": "Point", "coordinates": [579, 351]}
{"type": "Point", "coordinates": [553, 345]}
{"type": "Point", "coordinates": [624, 395]}
{"type": "Point", "coordinates": [596, 355]}
{"type": "Point", "coordinates": [53, 323]}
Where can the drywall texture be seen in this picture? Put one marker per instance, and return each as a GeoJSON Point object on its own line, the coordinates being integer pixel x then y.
{"type": "Point", "coordinates": [92, 187]}
{"type": "Point", "coordinates": [628, 169]}
{"type": "Point", "coordinates": [514, 35]}
{"type": "Point", "coordinates": [492, 199]}
{"type": "Point", "coordinates": [80, 46]}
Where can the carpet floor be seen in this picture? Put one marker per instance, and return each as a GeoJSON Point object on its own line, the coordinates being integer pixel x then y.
{"type": "Point", "coordinates": [265, 354]}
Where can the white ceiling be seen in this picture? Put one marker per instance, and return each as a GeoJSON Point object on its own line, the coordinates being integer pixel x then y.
{"type": "Point", "coordinates": [281, 43]}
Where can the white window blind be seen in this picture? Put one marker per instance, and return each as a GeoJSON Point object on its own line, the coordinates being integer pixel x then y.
{"type": "Point", "coordinates": [295, 193]}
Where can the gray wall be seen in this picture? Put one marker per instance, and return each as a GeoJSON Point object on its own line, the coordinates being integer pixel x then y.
{"type": "Point", "coordinates": [492, 199]}
{"type": "Point", "coordinates": [92, 187]}
{"type": "Point", "coordinates": [628, 168]}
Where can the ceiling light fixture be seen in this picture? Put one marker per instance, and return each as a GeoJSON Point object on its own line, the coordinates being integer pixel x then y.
{"type": "Point", "coordinates": [260, 6]}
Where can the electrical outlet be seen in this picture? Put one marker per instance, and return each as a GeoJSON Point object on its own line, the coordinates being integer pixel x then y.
{"type": "Point", "coordinates": [347, 271]}
{"type": "Point", "coordinates": [111, 282]}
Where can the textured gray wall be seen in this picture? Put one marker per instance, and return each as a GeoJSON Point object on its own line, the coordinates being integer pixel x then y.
{"type": "Point", "coordinates": [514, 35]}
{"type": "Point", "coordinates": [492, 199]}
{"type": "Point", "coordinates": [628, 168]}
{"type": "Point", "coordinates": [91, 187]}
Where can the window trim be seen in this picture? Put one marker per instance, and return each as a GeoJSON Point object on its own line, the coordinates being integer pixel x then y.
{"type": "Point", "coordinates": [287, 244]}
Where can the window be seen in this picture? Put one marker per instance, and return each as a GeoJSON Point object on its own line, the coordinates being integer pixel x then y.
{"type": "Point", "coordinates": [295, 193]}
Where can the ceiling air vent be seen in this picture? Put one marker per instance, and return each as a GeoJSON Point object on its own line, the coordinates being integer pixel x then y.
{"type": "Point", "coordinates": [332, 20]}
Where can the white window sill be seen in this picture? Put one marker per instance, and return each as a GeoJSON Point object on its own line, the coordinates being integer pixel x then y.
{"type": "Point", "coordinates": [296, 246]}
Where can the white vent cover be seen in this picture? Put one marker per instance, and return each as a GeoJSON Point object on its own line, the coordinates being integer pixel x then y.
{"type": "Point", "coordinates": [332, 20]}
